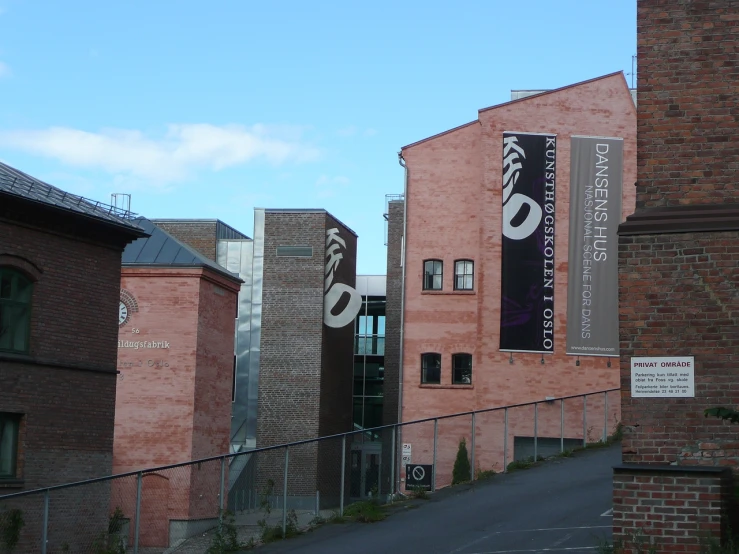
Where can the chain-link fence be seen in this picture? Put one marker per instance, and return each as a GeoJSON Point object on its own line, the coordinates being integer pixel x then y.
{"type": "Point", "coordinates": [272, 492]}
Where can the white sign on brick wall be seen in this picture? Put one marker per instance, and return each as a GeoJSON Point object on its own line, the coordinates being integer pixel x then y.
{"type": "Point", "coordinates": [663, 377]}
{"type": "Point", "coordinates": [406, 453]}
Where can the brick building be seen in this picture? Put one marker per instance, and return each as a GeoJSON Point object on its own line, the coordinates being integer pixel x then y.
{"type": "Point", "coordinates": [60, 259]}
{"type": "Point", "coordinates": [678, 274]}
{"type": "Point", "coordinates": [444, 269]}
{"type": "Point", "coordinates": [294, 343]}
{"type": "Point", "coordinates": [176, 363]}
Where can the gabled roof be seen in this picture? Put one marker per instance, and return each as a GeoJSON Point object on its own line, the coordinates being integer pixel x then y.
{"type": "Point", "coordinates": [160, 249]}
{"type": "Point", "coordinates": [22, 185]}
{"type": "Point", "coordinates": [555, 90]}
{"type": "Point", "coordinates": [524, 99]}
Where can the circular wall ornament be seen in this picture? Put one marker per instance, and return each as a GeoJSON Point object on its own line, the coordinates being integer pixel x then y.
{"type": "Point", "coordinates": [126, 307]}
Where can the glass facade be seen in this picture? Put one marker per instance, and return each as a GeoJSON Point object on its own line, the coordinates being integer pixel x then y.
{"type": "Point", "coordinates": [369, 365]}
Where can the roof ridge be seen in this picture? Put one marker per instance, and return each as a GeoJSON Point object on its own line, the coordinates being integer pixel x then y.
{"type": "Point", "coordinates": [18, 183]}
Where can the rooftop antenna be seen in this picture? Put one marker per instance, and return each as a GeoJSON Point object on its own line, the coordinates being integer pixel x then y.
{"type": "Point", "coordinates": [633, 70]}
{"type": "Point", "coordinates": [121, 201]}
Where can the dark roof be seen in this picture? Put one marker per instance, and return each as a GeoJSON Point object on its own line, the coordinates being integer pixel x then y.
{"type": "Point", "coordinates": [22, 185]}
{"type": "Point", "coordinates": [161, 249]}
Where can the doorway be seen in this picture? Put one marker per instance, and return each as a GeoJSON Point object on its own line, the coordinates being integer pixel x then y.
{"type": "Point", "coordinates": [366, 470]}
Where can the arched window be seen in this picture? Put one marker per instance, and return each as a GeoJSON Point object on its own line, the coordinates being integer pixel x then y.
{"type": "Point", "coordinates": [433, 274]}
{"type": "Point", "coordinates": [431, 368]}
{"type": "Point", "coordinates": [15, 310]}
{"type": "Point", "coordinates": [464, 274]}
{"type": "Point", "coordinates": [462, 369]}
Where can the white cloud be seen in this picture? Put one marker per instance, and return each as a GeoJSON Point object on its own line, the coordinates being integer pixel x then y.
{"type": "Point", "coordinates": [185, 149]}
{"type": "Point", "coordinates": [4, 70]}
{"type": "Point", "coordinates": [330, 186]}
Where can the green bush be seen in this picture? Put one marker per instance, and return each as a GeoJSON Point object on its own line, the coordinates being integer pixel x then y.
{"type": "Point", "coordinates": [462, 470]}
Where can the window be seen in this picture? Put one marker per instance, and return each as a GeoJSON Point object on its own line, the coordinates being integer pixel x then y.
{"type": "Point", "coordinates": [464, 271]}
{"type": "Point", "coordinates": [462, 369]}
{"type": "Point", "coordinates": [432, 274]}
{"type": "Point", "coordinates": [9, 424]}
{"type": "Point", "coordinates": [431, 368]}
{"type": "Point", "coordinates": [15, 310]}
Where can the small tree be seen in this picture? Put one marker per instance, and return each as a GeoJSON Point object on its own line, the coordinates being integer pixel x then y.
{"type": "Point", "coordinates": [462, 470]}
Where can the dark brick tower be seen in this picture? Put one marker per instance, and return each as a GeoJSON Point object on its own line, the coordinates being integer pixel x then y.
{"type": "Point", "coordinates": [679, 273]}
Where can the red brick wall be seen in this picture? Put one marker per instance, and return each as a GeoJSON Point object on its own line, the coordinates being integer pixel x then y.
{"type": "Point", "coordinates": [156, 387]}
{"type": "Point", "coordinates": [678, 254]}
{"type": "Point", "coordinates": [454, 211]}
{"type": "Point", "coordinates": [688, 126]}
{"type": "Point", "coordinates": [174, 404]}
{"type": "Point", "coordinates": [66, 386]}
{"type": "Point", "coordinates": [677, 296]}
{"type": "Point", "coordinates": [673, 510]}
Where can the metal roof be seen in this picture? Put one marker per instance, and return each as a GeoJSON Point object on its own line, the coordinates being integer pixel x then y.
{"type": "Point", "coordinates": [17, 183]}
{"type": "Point", "coordinates": [163, 250]}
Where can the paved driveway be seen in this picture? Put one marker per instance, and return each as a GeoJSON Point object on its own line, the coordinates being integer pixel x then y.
{"type": "Point", "coordinates": [555, 508]}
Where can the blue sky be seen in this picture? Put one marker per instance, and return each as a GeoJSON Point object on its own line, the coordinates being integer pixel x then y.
{"type": "Point", "coordinates": [208, 109]}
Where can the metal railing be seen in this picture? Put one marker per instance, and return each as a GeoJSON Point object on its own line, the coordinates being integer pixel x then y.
{"type": "Point", "coordinates": [290, 484]}
{"type": "Point", "coordinates": [25, 187]}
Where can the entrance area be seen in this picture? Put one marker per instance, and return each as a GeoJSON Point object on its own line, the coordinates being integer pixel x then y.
{"type": "Point", "coordinates": [365, 470]}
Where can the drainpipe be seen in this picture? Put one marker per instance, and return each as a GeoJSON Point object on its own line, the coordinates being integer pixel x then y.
{"type": "Point", "coordinates": [403, 243]}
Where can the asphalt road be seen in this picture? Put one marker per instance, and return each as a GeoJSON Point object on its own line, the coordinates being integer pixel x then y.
{"type": "Point", "coordinates": [557, 507]}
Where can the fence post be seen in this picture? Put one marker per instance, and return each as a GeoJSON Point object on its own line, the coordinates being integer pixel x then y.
{"type": "Point", "coordinates": [343, 467]}
{"type": "Point", "coordinates": [584, 421]}
{"type": "Point", "coordinates": [562, 425]}
{"type": "Point", "coordinates": [505, 442]}
{"type": "Point", "coordinates": [392, 463]}
{"type": "Point", "coordinates": [137, 515]}
{"type": "Point", "coordinates": [433, 468]}
{"type": "Point", "coordinates": [44, 531]}
{"type": "Point", "coordinates": [605, 416]}
{"type": "Point", "coordinates": [318, 503]}
{"type": "Point", "coordinates": [220, 494]}
{"type": "Point", "coordinates": [284, 493]}
{"type": "Point", "coordinates": [472, 456]}
{"type": "Point", "coordinates": [536, 431]}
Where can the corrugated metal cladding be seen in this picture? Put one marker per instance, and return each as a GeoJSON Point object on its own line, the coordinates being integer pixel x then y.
{"type": "Point", "coordinates": [295, 251]}
{"type": "Point", "coordinates": [226, 232]}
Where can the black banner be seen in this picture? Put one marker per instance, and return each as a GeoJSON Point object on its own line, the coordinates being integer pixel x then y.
{"type": "Point", "coordinates": [527, 265]}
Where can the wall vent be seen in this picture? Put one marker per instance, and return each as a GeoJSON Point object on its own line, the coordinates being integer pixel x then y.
{"type": "Point", "coordinates": [295, 251]}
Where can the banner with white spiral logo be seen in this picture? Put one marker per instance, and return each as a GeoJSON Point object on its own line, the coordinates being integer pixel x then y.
{"type": "Point", "coordinates": [527, 265]}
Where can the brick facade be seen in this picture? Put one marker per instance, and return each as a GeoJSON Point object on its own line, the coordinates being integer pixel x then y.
{"type": "Point", "coordinates": [681, 507]}
{"type": "Point", "coordinates": [688, 72]}
{"type": "Point", "coordinates": [454, 211]}
{"type": "Point", "coordinates": [305, 374]}
{"type": "Point", "coordinates": [198, 235]}
{"type": "Point", "coordinates": [678, 257]}
{"type": "Point", "coordinates": [65, 386]}
{"type": "Point", "coordinates": [174, 402]}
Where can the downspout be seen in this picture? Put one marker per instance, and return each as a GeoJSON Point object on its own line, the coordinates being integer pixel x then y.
{"type": "Point", "coordinates": [402, 163]}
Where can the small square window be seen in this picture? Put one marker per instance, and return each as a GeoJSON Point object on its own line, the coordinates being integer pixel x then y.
{"type": "Point", "coordinates": [433, 274]}
{"type": "Point", "coordinates": [464, 271]}
{"type": "Point", "coordinates": [9, 426]}
{"type": "Point", "coordinates": [431, 368]}
{"type": "Point", "coordinates": [462, 369]}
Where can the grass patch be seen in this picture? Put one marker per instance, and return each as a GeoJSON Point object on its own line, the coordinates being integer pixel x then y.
{"type": "Point", "coordinates": [518, 465]}
{"type": "Point", "coordinates": [482, 475]}
{"type": "Point", "coordinates": [367, 511]}
{"type": "Point", "coordinates": [419, 493]}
